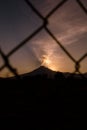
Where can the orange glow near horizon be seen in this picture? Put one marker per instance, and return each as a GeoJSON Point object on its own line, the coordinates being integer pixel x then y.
{"type": "Point", "coordinates": [45, 61]}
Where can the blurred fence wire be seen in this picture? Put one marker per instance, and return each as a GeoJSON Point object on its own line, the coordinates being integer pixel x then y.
{"type": "Point", "coordinates": [43, 26]}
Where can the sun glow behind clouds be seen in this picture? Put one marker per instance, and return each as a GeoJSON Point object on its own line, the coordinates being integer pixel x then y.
{"type": "Point", "coordinates": [47, 62]}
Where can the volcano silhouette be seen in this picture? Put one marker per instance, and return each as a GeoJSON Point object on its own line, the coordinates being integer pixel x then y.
{"type": "Point", "coordinates": [44, 71]}
{"type": "Point", "coordinates": [40, 71]}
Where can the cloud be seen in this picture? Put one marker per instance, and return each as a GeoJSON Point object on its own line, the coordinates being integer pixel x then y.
{"type": "Point", "coordinates": [68, 24]}
{"type": "Point", "coordinates": [46, 51]}
{"type": "Point", "coordinates": [72, 34]}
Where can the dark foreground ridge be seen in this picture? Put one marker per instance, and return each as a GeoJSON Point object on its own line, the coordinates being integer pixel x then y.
{"type": "Point", "coordinates": [38, 101]}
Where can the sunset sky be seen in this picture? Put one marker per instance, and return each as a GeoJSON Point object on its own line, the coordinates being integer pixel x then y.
{"type": "Point", "coordinates": [68, 24]}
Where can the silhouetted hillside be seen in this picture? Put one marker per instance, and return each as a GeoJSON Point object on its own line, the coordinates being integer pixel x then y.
{"type": "Point", "coordinates": [43, 101]}
{"type": "Point", "coordinates": [46, 72]}
{"type": "Point", "coordinates": [41, 71]}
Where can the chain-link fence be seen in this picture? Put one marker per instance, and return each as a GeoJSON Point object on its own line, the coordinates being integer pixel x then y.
{"type": "Point", "coordinates": [44, 26]}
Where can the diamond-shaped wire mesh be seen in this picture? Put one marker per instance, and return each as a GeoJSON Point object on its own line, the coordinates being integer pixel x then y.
{"type": "Point", "coordinates": [6, 57]}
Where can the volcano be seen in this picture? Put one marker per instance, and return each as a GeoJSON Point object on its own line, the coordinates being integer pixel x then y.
{"type": "Point", "coordinates": [40, 72]}
{"type": "Point", "coordinates": [44, 71]}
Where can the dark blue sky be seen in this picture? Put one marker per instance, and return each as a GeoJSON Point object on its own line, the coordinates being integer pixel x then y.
{"type": "Point", "coordinates": [68, 24]}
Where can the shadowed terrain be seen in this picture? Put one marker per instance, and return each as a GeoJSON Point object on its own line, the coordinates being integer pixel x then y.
{"type": "Point", "coordinates": [36, 100]}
